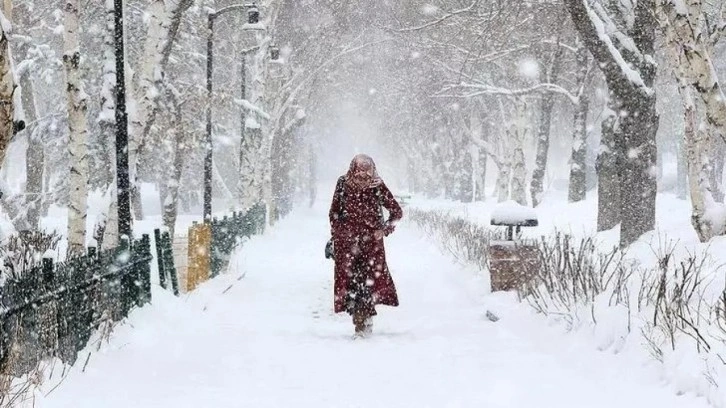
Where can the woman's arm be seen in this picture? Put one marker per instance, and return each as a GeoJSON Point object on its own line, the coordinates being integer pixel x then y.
{"type": "Point", "coordinates": [394, 209]}
{"type": "Point", "coordinates": [336, 205]}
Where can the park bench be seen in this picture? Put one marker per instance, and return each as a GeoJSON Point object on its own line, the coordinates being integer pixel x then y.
{"type": "Point", "coordinates": [513, 262]}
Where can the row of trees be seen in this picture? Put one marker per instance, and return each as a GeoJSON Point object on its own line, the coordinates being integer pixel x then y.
{"type": "Point", "coordinates": [62, 56]}
{"type": "Point", "coordinates": [530, 89]}
{"type": "Point", "coordinates": [534, 89]}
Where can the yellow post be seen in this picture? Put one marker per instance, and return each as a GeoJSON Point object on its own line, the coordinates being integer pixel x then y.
{"type": "Point", "coordinates": [200, 240]}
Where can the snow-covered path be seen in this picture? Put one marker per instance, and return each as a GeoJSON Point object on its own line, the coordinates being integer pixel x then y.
{"type": "Point", "coordinates": [271, 340]}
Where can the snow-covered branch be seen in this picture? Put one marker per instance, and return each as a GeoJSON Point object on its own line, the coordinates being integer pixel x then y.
{"type": "Point", "coordinates": [441, 19]}
{"type": "Point", "coordinates": [596, 29]}
{"type": "Point", "coordinates": [479, 90]}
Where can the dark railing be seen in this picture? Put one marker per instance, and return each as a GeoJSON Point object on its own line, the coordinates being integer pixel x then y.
{"type": "Point", "coordinates": [228, 231]}
{"type": "Point", "coordinates": [51, 310]}
{"type": "Point", "coordinates": [165, 261]}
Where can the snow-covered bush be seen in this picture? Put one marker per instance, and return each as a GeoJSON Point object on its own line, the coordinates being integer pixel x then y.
{"type": "Point", "coordinates": [673, 310]}
{"type": "Point", "coordinates": [21, 252]}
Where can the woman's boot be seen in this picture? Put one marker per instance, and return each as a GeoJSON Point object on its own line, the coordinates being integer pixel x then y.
{"type": "Point", "coordinates": [368, 326]}
{"type": "Point", "coordinates": [359, 321]}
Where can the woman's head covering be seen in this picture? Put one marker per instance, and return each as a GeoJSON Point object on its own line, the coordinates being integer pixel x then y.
{"type": "Point", "coordinates": [362, 173]}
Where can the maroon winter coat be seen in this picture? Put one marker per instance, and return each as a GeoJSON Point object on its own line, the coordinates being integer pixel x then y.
{"type": "Point", "coordinates": [361, 221]}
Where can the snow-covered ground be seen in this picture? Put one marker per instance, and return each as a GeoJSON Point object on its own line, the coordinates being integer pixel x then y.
{"type": "Point", "coordinates": [264, 335]}
{"type": "Point", "coordinates": [673, 223]}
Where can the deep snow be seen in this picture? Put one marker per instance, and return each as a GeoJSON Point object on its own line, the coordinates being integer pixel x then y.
{"type": "Point", "coordinates": [264, 335]}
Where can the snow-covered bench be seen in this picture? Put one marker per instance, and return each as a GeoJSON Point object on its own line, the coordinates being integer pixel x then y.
{"type": "Point", "coordinates": [512, 262]}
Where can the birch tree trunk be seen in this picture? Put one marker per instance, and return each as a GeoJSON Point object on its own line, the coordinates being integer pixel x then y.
{"type": "Point", "coordinates": [107, 229]}
{"type": "Point", "coordinates": [78, 130]}
{"type": "Point", "coordinates": [543, 132]}
{"type": "Point", "coordinates": [518, 135]}
{"type": "Point", "coordinates": [717, 166]}
{"type": "Point", "coordinates": [252, 170]}
{"type": "Point", "coordinates": [164, 21]}
{"type": "Point", "coordinates": [106, 116]}
{"type": "Point", "coordinates": [269, 97]}
{"type": "Point", "coordinates": [107, 121]}
{"type": "Point", "coordinates": [478, 155]}
{"type": "Point", "coordinates": [170, 206]}
{"type": "Point", "coordinates": [682, 171]}
{"type": "Point", "coordinates": [697, 144]}
{"type": "Point", "coordinates": [690, 46]}
{"type": "Point", "coordinates": [34, 155]}
{"type": "Point", "coordinates": [504, 177]}
{"type": "Point", "coordinates": [7, 91]}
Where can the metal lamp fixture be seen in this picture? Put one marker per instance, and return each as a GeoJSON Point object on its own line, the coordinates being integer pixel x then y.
{"type": "Point", "coordinates": [253, 13]}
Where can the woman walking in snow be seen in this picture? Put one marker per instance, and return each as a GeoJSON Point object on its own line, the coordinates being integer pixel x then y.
{"type": "Point", "coordinates": [362, 279]}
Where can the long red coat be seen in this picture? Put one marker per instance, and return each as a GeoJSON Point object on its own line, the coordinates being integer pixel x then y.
{"type": "Point", "coordinates": [353, 237]}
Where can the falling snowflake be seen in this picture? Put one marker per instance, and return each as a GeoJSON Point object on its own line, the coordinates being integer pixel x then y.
{"type": "Point", "coordinates": [529, 68]}
{"type": "Point", "coordinates": [429, 10]}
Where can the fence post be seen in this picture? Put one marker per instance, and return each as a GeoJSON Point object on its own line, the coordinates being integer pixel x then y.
{"type": "Point", "coordinates": [50, 331]}
{"type": "Point", "coordinates": [144, 269]}
{"type": "Point", "coordinates": [168, 258]}
{"type": "Point", "coordinates": [94, 297]}
{"type": "Point", "coordinates": [83, 299]}
{"type": "Point", "coordinates": [160, 258]}
{"type": "Point", "coordinates": [123, 263]}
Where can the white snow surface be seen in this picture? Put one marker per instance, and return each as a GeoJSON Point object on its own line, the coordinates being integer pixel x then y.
{"type": "Point", "coordinates": [264, 335]}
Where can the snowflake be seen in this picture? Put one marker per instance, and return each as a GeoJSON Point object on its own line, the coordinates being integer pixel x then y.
{"type": "Point", "coordinates": [529, 68]}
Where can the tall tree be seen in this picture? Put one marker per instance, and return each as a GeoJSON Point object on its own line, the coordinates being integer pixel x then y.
{"type": "Point", "coordinates": [78, 129]}
{"type": "Point", "coordinates": [7, 92]}
{"type": "Point", "coordinates": [624, 50]}
{"type": "Point", "coordinates": [690, 40]}
{"type": "Point", "coordinates": [163, 27]}
{"type": "Point", "coordinates": [578, 166]}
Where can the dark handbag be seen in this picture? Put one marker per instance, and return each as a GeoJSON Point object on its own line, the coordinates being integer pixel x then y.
{"type": "Point", "coordinates": [329, 249]}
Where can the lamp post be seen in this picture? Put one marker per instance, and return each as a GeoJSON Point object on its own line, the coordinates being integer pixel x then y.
{"type": "Point", "coordinates": [253, 18]}
{"type": "Point", "coordinates": [122, 136]}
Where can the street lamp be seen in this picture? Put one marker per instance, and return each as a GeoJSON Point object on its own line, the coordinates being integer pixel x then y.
{"type": "Point", "coordinates": [274, 53]}
{"type": "Point", "coordinates": [253, 18]}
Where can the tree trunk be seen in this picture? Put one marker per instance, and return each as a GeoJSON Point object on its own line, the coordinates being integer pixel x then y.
{"type": "Point", "coordinates": [716, 174]}
{"type": "Point", "coordinates": [690, 47]}
{"type": "Point", "coordinates": [682, 170]}
{"type": "Point", "coordinates": [543, 133]}
{"type": "Point", "coordinates": [504, 177]}
{"type": "Point", "coordinates": [34, 155]}
{"type": "Point", "coordinates": [164, 21]}
{"type": "Point", "coordinates": [478, 154]}
{"type": "Point", "coordinates": [578, 158]}
{"type": "Point", "coordinates": [466, 176]}
{"type": "Point", "coordinates": [518, 135]}
{"type": "Point", "coordinates": [78, 130]}
{"type": "Point", "coordinates": [578, 165]}
{"type": "Point", "coordinates": [638, 152]}
{"type": "Point", "coordinates": [109, 228]}
{"type": "Point", "coordinates": [7, 90]}
{"type": "Point", "coordinates": [170, 206]}
{"type": "Point", "coordinates": [608, 207]}
{"type": "Point", "coordinates": [629, 69]}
